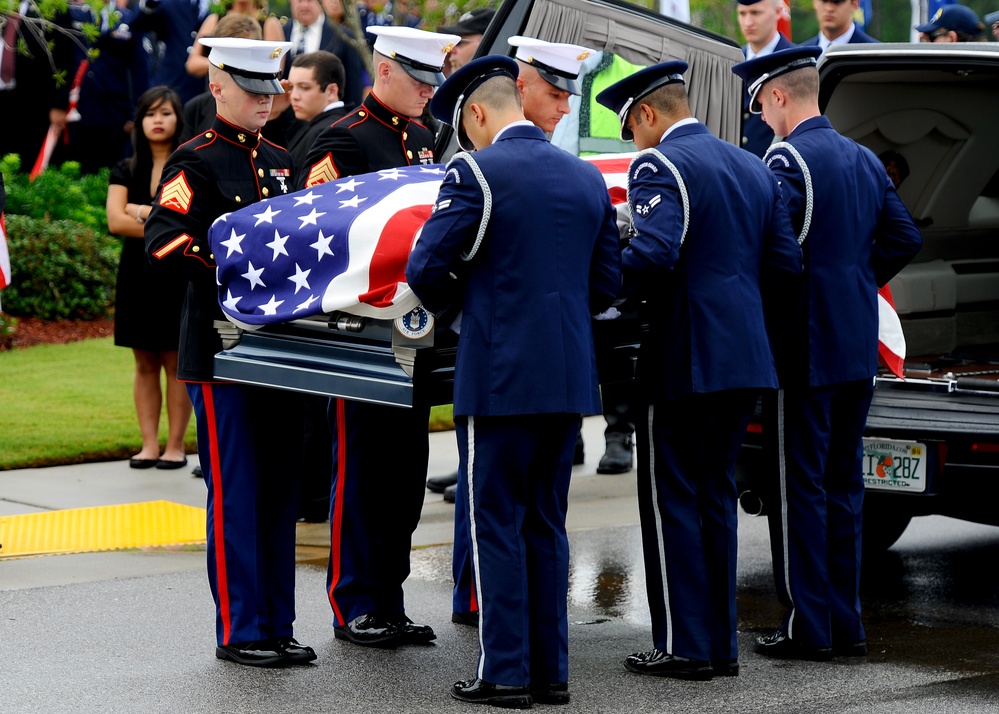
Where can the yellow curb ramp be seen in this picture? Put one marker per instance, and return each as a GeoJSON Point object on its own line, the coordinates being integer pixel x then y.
{"type": "Point", "coordinates": [87, 530]}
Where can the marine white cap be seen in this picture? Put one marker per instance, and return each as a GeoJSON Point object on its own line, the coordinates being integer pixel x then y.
{"type": "Point", "coordinates": [255, 65]}
{"type": "Point", "coordinates": [420, 53]}
{"type": "Point", "coordinates": [557, 62]}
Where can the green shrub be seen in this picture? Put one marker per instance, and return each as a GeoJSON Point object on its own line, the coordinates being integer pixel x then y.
{"type": "Point", "coordinates": [8, 326]}
{"type": "Point", "coordinates": [57, 194]}
{"type": "Point", "coordinates": [61, 270]}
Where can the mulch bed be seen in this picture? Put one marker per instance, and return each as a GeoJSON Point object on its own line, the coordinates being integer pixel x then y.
{"type": "Point", "coordinates": [31, 331]}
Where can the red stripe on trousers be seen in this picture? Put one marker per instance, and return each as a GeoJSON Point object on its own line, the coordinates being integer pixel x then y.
{"type": "Point", "coordinates": [221, 581]}
{"type": "Point", "coordinates": [336, 522]}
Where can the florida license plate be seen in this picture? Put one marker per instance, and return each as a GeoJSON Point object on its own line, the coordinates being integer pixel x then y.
{"type": "Point", "coordinates": [894, 465]}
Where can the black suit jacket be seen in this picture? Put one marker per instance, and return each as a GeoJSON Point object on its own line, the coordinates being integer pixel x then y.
{"type": "Point", "coordinates": [356, 77]}
{"type": "Point", "coordinates": [299, 146]}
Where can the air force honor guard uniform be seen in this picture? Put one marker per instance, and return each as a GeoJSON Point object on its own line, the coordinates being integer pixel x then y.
{"type": "Point", "coordinates": [558, 64]}
{"type": "Point", "coordinates": [381, 452]}
{"type": "Point", "coordinates": [245, 434]}
{"type": "Point", "coordinates": [708, 223]}
{"type": "Point", "coordinates": [531, 231]}
{"type": "Point", "coordinates": [855, 234]}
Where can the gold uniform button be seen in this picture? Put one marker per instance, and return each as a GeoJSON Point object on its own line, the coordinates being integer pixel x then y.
{"type": "Point", "coordinates": [264, 189]}
{"type": "Point", "coordinates": [745, 140]}
{"type": "Point", "coordinates": [211, 257]}
{"type": "Point", "coordinates": [196, 249]}
{"type": "Point", "coordinates": [208, 135]}
{"type": "Point", "coordinates": [409, 154]}
{"type": "Point", "coordinates": [405, 136]}
{"type": "Point", "coordinates": [361, 114]}
{"type": "Point", "coordinates": [254, 153]}
{"type": "Point", "coordinates": [238, 199]}
{"type": "Point", "coordinates": [260, 173]}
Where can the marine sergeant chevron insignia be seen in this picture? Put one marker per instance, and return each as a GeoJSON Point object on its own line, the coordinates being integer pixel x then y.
{"type": "Point", "coordinates": [177, 194]}
{"type": "Point", "coordinates": [322, 172]}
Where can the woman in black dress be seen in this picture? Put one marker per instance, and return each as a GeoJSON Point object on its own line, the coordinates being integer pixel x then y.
{"type": "Point", "coordinates": [148, 299]}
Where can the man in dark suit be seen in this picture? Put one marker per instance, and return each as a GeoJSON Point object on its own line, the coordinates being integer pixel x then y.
{"type": "Point", "coordinates": [315, 85]}
{"type": "Point", "coordinates": [856, 234]}
{"type": "Point", "coordinates": [310, 31]}
{"type": "Point", "coordinates": [758, 22]}
{"type": "Point", "coordinates": [836, 25]}
{"type": "Point", "coordinates": [708, 227]}
{"type": "Point", "coordinates": [176, 24]}
{"type": "Point", "coordinates": [525, 369]}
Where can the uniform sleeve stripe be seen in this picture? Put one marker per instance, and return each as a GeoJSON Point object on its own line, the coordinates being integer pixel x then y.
{"type": "Point", "coordinates": [172, 246]}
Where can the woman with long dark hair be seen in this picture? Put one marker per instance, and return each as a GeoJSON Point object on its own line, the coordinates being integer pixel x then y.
{"type": "Point", "coordinates": [148, 298]}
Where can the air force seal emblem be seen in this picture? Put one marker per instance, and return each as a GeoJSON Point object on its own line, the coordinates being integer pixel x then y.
{"type": "Point", "coordinates": [415, 324]}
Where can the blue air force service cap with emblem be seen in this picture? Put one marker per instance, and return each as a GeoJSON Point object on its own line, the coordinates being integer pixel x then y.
{"type": "Point", "coordinates": [558, 63]}
{"type": "Point", "coordinates": [760, 70]}
{"type": "Point", "coordinates": [953, 17]}
{"type": "Point", "coordinates": [421, 54]}
{"type": "Point", "coordinates": [621, 96]}
{"type": "Point", "coordinates": [254, 65]}
{"type": "Point", "coordinates": [447, 102]}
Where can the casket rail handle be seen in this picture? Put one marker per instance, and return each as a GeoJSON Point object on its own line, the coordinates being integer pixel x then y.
{"type": "Point", "coordinates": [342, 322]}
{"type": "Point", "coordinates": [229, 333]}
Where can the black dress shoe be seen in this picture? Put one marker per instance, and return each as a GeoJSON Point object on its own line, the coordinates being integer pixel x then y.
{"type": "Point", "coordinates": [465, 618]}
{"type": "Point", "coordinates": [780, 646]}
{"type": "Point", "coordinates": [725, 668]}
{"type": "Point", "coordinates": [142, 463]}
{"type": "Point", "coordinates": [412, 633]}
{"type": "Point", "coordinates": [197, 472]}
{"type": "Point", "coordinates": [663, 664]}
{"type": "Point", "coordinates": [850, 649]}
{"type": "Point", "coordinates": [437, 484]}
{"type": "Point", "coordinates": [295, 652]}
{"type": "Point", "coordinates": [451, 493]}
{"type": "Point", "coordinates": [550, 693]}
{"type": "Point", "coordinates": [370, 631]}
{"type": "Point", "coordinates": [168, 464]}
{"type": "Point", "coordinates": [254, 654]}
{"type": "Point", "coordinates": [498, 695]}
{"type": "Point", "coordinates": [618, 458]}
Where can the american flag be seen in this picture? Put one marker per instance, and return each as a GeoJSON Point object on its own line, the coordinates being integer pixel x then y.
{"type": "Point", "coordinates": [344, 246]}
{"type": "Point", "coordinates": [335, 246]}
{"type": "Point", "coordinates": [4, 257]}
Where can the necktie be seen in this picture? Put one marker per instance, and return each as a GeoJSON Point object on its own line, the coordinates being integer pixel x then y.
{"type": "Point", "coordinates": [300, 45]}
{"type": "Point", "coordinates": [8, 60]}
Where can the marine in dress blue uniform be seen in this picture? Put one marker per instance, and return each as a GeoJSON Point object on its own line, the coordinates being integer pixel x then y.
{"type": "Point", "coordinates": [708, 226]}
{"type": "Point", "coordinates": [243, 432]}
{"type": "Point", "coordinates": [855, 234]}
{"type": "Point", "coordinates": [536, 256]}
{"type": "Point", "coordinates": [381, 452]}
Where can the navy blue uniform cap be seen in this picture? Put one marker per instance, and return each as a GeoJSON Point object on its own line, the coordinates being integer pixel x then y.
{"type": "Point", "coordinates": [448, 100]}
{"type": "Point", "coordinates": [622, 95]}
{"type": "Point", "coordinates": [953, 17]}
{"type": "Point", "coordinates": [760, 70]}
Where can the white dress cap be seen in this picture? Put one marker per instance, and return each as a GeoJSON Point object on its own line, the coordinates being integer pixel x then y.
{"type": "Point", "coordinates": [557, 62]}
{"type": "Point", "coordinates": [420, 53]}
{"type": "Point", "coordinates": [255, 65]}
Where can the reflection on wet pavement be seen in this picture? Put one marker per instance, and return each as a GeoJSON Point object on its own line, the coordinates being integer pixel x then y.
{"type": "Point", "coordinates": [933, 600]}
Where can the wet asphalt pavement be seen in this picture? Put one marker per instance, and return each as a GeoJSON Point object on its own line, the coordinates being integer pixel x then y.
{"type": "Point", "coordinates": [133, 631]}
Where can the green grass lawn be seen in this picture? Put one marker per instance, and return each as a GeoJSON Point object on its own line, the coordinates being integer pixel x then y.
{"type": "Point", "coordinates": [65, 404]}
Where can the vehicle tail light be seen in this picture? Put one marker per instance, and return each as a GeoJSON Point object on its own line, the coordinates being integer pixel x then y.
{"type": "Point", "coordinates": [985, 447]}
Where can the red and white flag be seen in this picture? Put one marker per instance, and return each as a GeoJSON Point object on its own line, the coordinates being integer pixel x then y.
{"type": "Point", "coordinates": [891, 341]}
{"type": "Point", "coordinates": [4, 255]}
